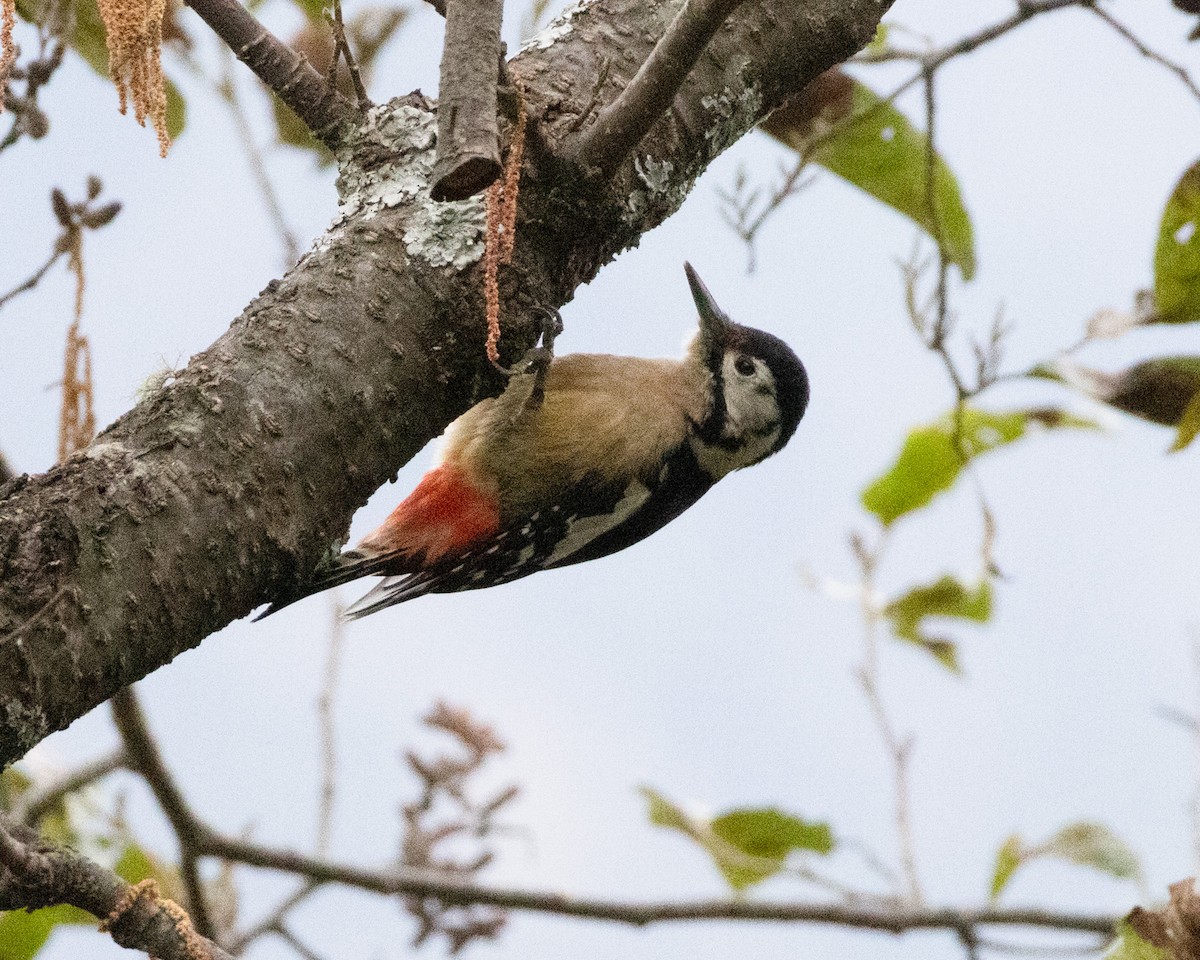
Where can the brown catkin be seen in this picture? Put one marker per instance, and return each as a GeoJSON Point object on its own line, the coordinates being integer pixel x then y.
{"type": "Point", "coordinates": [500, 234]}
{"type": "Point", "coordinates": [133, 31]}
{"type": "Point", "coordinates": [8, 50]}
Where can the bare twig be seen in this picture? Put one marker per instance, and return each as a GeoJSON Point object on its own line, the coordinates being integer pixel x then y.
{"type": "Point", "coordinates": [624, 122]}
{"type": "Point", "coordinates": [328, 733]}
{"type": "Point", "coordinates": [322, 109]}
{"type": "Point", "coordinates": [343, 51]}
{"type": "Point", "coordinates": [35, 804]}
{"type": "Point", "coordinates": [1026, 10]}
{"type": "Point", "coordinates": [899, 747]}
{"type": "Point", "coordinates": [293, 941]}
{"type": "Point", "coordinates": [272, 922]}
{"type": "Point", "coordinates": [258, 168]}
{"type": "Point", "coordinates": [1184, 77]}
{"type": "Point", "coordinates": [468, 143]}
{"type": "Point", "coordinates": [35, 278]}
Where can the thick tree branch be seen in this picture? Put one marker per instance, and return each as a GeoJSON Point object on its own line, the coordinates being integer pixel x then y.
{"type": "Point", "coordinates": [35, 874]}
{"type": "Point", "coordinates": [230, 483]}
{"type": "Point", "coordinates": [468, 143]}
{"type": "Point", "coordinates": [624, 122]}
{"type": "Point", "coordinates": [322, 109]}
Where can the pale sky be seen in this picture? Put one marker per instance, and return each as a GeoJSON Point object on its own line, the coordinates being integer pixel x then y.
{"type": "Point", "coordinates": [698, 662]}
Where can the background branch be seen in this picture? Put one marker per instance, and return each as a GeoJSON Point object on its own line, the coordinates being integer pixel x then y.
{"type": "Point", "coordinates": [145, 759]}
{"type": "Point", "coordinates": [324, 111]}
{"type": "Point", "coordinates": [642, 913]}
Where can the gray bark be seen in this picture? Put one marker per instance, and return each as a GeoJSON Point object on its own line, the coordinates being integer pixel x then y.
{"type": "Point", "coordinates": [231, 481]}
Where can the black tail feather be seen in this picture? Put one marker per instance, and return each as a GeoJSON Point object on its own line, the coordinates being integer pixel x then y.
{"type": "Point", "coordinates": [347, 567]}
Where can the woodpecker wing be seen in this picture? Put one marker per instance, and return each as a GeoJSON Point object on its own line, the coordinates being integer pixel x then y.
{"type": "Point", "coordinates": [596, 520]}
{"type": "Point", "coordinates": [681, 483]}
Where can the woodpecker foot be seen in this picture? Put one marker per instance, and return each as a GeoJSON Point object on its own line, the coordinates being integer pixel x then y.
{"type": "Point", "coordinates": [538, 358]}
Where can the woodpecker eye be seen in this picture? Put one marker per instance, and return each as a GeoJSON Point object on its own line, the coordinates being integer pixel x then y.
{"type": "Point", "coordinates": [744, 365]}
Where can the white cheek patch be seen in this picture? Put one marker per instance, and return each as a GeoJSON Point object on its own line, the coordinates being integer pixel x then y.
{"type": "Point", "coordinates": [582, 531]}
{"type": "Point", "coordinates": [750, 404]}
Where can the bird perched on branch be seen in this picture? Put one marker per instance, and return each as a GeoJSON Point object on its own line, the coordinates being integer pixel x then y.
{"type": "Point", "coordinates": [582, 457]}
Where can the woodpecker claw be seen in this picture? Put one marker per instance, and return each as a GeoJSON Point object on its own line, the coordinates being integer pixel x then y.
{"type": "Point", "coordinates": [538, 358]}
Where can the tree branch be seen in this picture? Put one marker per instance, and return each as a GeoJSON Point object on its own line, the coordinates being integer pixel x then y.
{"type": "Point", "coordinates": [418, 883]}
{"type": "Point", "coordinates": [322, 109]}
{"type": "Point", "coordinates": [468, 142]}
{"type": "Point", "coordinates": [624, 122]}
{"type": "Point", "coordinates": [35, 874]}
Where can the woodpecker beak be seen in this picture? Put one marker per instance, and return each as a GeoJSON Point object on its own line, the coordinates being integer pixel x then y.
{"type": "Point", "coordinates": [714, 324]}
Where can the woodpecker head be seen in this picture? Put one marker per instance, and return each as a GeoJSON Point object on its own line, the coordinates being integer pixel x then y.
{"type": "Point", "coordinates": [760, 388]}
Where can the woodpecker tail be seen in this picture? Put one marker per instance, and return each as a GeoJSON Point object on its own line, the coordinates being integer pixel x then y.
{"type": "Point", "coordinates": [350, 565]}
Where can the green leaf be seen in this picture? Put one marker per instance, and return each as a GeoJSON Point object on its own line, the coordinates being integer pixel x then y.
{"type": "Point", "coordinates": [1129, 946]}
{"type": "Point", "coordinates": [879, 42]}
{"type": "Point", "coordinates": [1161, 390]}
{"type": "Point", "coordinates": [932, 457]}
{"type": "Point", "coordinates": [136, 864]}
{"type": "Point", "coordinates": [1008, 858]}
{"type": "Point", "coordinates": [314, 10]}
{"type": "Point", "coordinates": [176, 111]}
{"type": "Point", "coordinates": [1177, 255]}
{"type": "Point", "coordinates": [1189, 424]}
{"type": "Point", "coordinates": [13, 783]}
{"type": "Point", "coordinates": [88, 38]}
{"type": "Point", "coordinates": [769, 832]}
{"type": "Point", "coordinates": [1094, 845]}
{"type": "Point", "coordinates": [370, 31]}
{"type": "Point", "coordinates": [858, 135]}
{"type": "Point", "coordinates": [23, 934]}
{"type": "Point", "coordinates": [663, 813]}
{"type": "Point", "coordinates": [747, 845]}
{"type": "Point", "coordinates": [948, 597]}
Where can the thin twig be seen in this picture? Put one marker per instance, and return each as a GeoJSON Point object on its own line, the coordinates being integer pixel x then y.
{"type": "Point", "coordinates": [271, 923]}
{"type": "Point", "coordinates": [293, 941]}
{"type": "Point", "coordinates": [35, 804]}
{"type": "Point", "coordinates": [1184, 77]}
{"type": "Point", "coordinates": [328, 734]}
{"type": "Point", "coordinates": [624, 122]}
{"type": "Point", "coordinates": [342, 49]}
{"type": "Point", "coordinates": [258, 168]}
{"type": "Point", "coordinates": [36, 278]}
{"type": "Point", "coordinates": [899, 748]}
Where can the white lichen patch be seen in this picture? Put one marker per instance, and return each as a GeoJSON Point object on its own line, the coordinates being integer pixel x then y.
{"type": "Point", "coordinates": [732, 115]}
{"type": "Point", "coordinates": [440, 234]}
{"type": "Point", "coordinates": [660, 193]}
{"type": "Point", "coordinates": [556, 29]}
